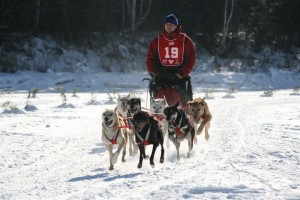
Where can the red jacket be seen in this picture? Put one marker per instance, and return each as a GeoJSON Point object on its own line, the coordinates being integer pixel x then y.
{"type": "Point", "coordinates": [153, 61]}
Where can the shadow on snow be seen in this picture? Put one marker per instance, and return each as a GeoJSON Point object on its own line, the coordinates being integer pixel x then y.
{"type": "Point", "coordinates": [104, 176]}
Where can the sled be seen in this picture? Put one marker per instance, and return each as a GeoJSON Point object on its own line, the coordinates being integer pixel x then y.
{"type": "Point", "coordinates": [174, 91]}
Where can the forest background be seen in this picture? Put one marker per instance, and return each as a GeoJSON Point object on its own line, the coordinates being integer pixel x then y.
{"type": "Point", "coordinates": [251, 33]}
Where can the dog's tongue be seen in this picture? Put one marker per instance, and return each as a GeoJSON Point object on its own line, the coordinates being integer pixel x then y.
{"type": "Point", "coordinates": [108, 123]}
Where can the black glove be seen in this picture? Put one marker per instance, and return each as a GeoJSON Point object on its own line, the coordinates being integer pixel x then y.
{"type": "Point", "coordinates": [167, 77]}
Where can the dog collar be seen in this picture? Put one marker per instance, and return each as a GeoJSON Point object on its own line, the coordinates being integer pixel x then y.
{"type": "Point", "coordinates": [114, 139]}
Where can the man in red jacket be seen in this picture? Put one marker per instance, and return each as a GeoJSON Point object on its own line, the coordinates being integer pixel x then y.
{"type": "Point", "coordinates": [170, 59]}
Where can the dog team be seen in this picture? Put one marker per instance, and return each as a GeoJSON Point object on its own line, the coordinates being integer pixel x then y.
{"type": "Point", "coordinates": [129, 123]}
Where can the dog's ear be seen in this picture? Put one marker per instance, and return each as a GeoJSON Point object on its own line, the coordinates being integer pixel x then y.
{"type": "Point", "coordinates": [176, 105]}
{"type": "Point", "coordinates": [165, 102]}
{"type": "Point", "coordinates": [128, 96]}
{"type": "Point", "coordinates": [151, 99]}
{"type": "Point", "coordinates": [198, 100]}
{"type": "Point", "coordinates": [202, 102]}
{"type": "Point", "coordinates": [189, 103]}
{"type": "Point", "coordinates": [165, 99]}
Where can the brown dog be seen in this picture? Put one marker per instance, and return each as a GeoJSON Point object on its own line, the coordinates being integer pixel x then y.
{"type": "Point", "coordinates": [200, 114]}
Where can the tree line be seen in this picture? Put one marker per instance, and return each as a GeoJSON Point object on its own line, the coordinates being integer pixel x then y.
{"type": "Point", "coordinates": [215, 25]}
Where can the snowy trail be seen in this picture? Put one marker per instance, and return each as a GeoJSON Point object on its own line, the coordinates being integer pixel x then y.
{"type": "Point", "coordinates": [56, 153]}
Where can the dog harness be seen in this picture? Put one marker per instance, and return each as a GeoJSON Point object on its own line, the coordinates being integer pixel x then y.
{"type": "Point", "coordinates": [144, 141]}
{"type": "Point", "coordinates": [159, 117]}
{"type": "Point", "coordinates": [114, 139]}
{"type": "Point", "coordinates": [203, 116]}
{"type": "Point", "coordinates": [178, 129]}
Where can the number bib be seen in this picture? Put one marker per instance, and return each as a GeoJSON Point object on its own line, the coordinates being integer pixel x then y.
{"type": "Point", "coordinates": [171, 51]}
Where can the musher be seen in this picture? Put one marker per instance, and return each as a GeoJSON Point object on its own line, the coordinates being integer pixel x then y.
{"type": "Point", "coordinates": [170, 59]}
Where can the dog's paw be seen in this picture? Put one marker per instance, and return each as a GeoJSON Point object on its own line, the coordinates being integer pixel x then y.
{"type": "Point", "coordinates": [146, 156]}
{"type": "Point", "coordinates": [199, 132]}
{"type": "Point", "coordinates": [139, 165]}
{"type": "Point", "coordinates": [152, 162]}
{"type": "Point", "coordinates": [161, 160]}
{"type": "Point", "coordinates": [200, 129]}
{"type": "Point", "coordinates": [111, 168]}
{"type": "Point", "coordinates": [123, 160]}
{"type": "Point", "coordinates": [206, 137]}
{"type": "Point", "coordinates": [189, 154]}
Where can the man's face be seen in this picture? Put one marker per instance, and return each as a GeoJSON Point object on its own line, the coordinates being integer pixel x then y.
{"type": "Point", "coordinates": [169, 27]}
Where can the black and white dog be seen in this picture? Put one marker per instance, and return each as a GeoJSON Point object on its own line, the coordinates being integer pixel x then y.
{"type": "Point", "coordinates": [133, 105]}
{"type": "Point", "coordinates": [180, 128]}
{"type": "Point", "coordinates": [147, 131]}
{"type": "Point", "coordinates": [157, 107]}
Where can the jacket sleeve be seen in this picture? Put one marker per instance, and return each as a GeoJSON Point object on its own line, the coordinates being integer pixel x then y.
{"type": "Point", "coordinates": [152, 57]}
{"type": "Point", "coordinates": [190, 57]}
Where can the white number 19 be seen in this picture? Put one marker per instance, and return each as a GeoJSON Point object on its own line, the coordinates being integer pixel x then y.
{"type": "Point", "coordinates": [174, 52]}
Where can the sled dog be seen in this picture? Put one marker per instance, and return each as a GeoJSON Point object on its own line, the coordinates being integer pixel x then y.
{"type": "Point", "coordinates": [157, 107]}
{"type": "Point", "coordinates": [147, 131]}
{"type": "Point", "coordinates": [121, 108]}
{"type": "Point", "coordinates": [200, 115]}
{"type": "Point", "coordinates": [112, 135]}
{"type": "Point", "coordinates": [133, 105]}
{"type": "Point", "coordinates": [180, 128]}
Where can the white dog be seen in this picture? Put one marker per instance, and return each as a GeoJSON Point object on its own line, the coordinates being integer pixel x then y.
{"type": "Point", "coordinates": [157, 107]}
{"type": "Point", "coordinates": [121, 108]}
{"type": "Point", "coordinates": [122, 111]}
{"type": "Point", "coordinates": [113, 135]}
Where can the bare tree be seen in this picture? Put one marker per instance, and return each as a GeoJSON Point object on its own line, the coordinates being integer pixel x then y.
{"type": "Point", "coordinates": [37, 17]}
{"type": "Point", "coordinates": [66, 19]}
{"type": "Point", "coordinates": [131, 8]}
{"type": "Point", "coordinates": [217, 65]}
{"type": "Point", "coordinates": [133, 13]}
{"type": "Point", "coordinates": [226, 22]}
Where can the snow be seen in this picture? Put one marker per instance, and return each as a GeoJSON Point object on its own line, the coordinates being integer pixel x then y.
{"type": "Point", "coordinates": [53, 149]}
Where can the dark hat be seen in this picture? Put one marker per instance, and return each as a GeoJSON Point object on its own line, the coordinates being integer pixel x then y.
{"type": "Point", "coordinates": [171, 19]}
